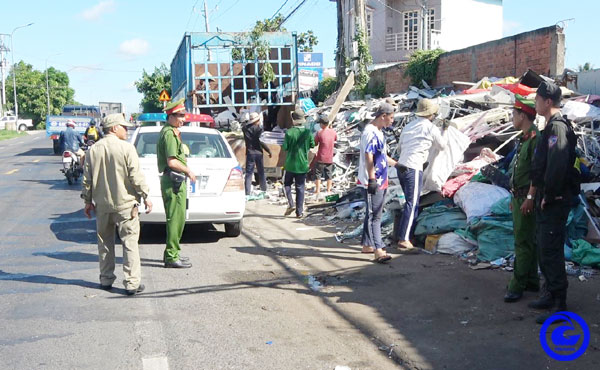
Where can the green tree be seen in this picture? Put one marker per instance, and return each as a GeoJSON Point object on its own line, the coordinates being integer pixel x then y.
{"type": "Point", "coordinates": [306, 41]}
{"type": "Point", "coordinates": [585, 67]}
{"type": "Point", "coordinates": [150, 85]}
{"type": "Point", "coordinates": [31, 91]}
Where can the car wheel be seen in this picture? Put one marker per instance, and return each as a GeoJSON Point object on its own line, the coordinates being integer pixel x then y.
{"type": "Point", "coordinates": [23, 128]}
{"type": "Point", "coordinates": [233, 229]}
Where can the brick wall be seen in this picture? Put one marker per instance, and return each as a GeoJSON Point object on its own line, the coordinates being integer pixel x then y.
{"type": "Point", "coordinates": [392, 77]}
{"type": "Point", "coordinates": [541, 50]}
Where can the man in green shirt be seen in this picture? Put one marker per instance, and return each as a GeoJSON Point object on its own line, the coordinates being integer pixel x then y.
{"type": "Point", "coordinates": [171, 162]}
{"type": "Point", "coordinates": [525, 275]}
{"type": "Point", "coordinates": [297, 142]}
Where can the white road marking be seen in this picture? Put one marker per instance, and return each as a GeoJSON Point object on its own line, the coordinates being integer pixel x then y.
{"type": "Point", "coordinates": [11, 172]}
{"type": "Point", "coordinates": [155, 363]}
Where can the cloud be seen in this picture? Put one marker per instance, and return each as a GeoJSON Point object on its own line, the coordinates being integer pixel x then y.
{"type": "Point", "coordinates": [134, 47]}
{"type": "Point", "coordinates": [95, 12]}
{"type": "Point", "coordinates": [510, 27]}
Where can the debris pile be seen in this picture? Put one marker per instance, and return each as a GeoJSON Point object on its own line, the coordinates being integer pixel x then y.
{"type": "Point", "coordinates": [464, 204]}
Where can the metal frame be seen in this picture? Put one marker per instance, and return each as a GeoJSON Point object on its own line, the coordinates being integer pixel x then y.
{"type": "Point", "coordinates": [215, 49]}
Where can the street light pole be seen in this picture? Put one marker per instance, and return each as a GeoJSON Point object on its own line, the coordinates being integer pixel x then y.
{"type": "Point", "coordinates": [12, 52]}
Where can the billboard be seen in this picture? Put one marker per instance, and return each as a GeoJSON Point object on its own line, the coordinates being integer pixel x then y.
{"type": "Point", "coordinates": [310, 70]}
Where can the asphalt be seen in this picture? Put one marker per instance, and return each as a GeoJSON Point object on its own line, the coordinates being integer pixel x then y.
{"type": "Point", "coordinates": [284, 295]}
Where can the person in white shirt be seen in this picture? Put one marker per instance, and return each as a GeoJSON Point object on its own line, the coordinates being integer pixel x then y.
{"type": "Point", "coordinates": [414, 144]}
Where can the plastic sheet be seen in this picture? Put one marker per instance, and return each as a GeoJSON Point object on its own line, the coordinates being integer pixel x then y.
{"type": "Point", "coordinates": [585, 254]}
{"type": "Point", "coordinates": [442, 163]}
{"type": "Point", "coordinates": [440, 218]}
{"type": "Point", "coordinates": [476, 199]}
{"type": "Point", "coordinates": [452, 243]}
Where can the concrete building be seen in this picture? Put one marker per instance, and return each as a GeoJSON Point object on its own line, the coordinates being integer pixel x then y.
{"type": "Point", "coordinates": [396, 28]}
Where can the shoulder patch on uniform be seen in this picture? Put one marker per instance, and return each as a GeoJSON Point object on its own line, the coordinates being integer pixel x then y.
{"type": "Point", "coordinates": [552, 141]}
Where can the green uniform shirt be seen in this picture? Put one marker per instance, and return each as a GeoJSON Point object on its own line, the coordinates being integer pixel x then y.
{"type": "Point", "coordinates": [521, 163]}
{"type": "Point", "coordinates": [169, 145]}
{"type": "Point", "coordinates": [297, 143]}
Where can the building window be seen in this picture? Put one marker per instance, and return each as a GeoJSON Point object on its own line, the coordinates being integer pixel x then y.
{"type": "Point", "coordinates": [369, 24]}
{"type": "Point", "coordinates": [410, 30]}
{"type": "Point", "coordinates": [431, 19]}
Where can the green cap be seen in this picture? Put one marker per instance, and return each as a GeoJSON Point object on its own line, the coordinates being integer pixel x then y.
{"type": "Point", "coordinates": [526, 105]}
{"type": "Point", "coordinates": [175, 106]}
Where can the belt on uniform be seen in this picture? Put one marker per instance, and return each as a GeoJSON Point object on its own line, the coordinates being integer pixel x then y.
{"type": "Point", "coordinates": [520, 192]}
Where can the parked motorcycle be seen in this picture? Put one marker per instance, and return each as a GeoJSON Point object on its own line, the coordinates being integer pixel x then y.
{"type": "Point", "coordinates": [71, 167]}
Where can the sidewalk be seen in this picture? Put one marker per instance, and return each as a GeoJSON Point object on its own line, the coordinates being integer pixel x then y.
{"type": "Point", "coordinates": [425, 311]}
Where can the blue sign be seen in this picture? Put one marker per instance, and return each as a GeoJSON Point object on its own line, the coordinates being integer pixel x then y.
{"type": "Point", "coordinates": [570, 338]}
{"type": "Point", "coordinates": [311, 60]}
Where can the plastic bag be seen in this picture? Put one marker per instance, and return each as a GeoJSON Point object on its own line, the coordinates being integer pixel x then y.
{"type": "Point", "coordinates": [476, 199]}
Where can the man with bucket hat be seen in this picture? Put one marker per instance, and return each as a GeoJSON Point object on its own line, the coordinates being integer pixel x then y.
{"type": "Point", "coordinates": [525, 275]}
{"type": "Point", "coordinates": [113, 186]}
{"type": "Point", "coordinates": [254, 152]}
{"type": "Point", "coordinates": [416, 139]}
{"type": "Point", "coordinates": [297, 142]}
{"type": "Point", "coordinates": [556, 180]}
{"type": "Point", "coordinates": [172, 164]}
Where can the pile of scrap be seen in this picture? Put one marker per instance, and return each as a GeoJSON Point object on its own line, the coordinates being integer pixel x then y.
{"type": "Point", "coordinates": [465, 200]}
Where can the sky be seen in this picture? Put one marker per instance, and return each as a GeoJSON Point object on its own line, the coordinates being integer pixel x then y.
{"type": "Point", "coordinates": [104, 45]}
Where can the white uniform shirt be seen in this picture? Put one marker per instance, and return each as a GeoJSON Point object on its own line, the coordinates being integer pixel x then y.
{"type": "Point", "coordinates": [415, 141]}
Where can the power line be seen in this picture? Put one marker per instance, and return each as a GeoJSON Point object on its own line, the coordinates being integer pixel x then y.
{"type": "Point", "coordinates": [228, 9]}
{"type": "Point", "coordinates": [292, 13]}
{"type": "Point", "coordinates": [278, 10]}
{"type": "Point", "coordinates": [190, 17]}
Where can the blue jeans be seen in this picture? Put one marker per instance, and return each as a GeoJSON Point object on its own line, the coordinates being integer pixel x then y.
{"type": "Point", "coordinates": [412, 182]}
{"type": "Point", "coordinates": [371, 236]}
{"type": "Point", "coordinates": [299, 179]}
{"type": "Point", "coordinates": [251, 161]}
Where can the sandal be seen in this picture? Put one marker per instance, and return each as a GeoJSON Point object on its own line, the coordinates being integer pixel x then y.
{"type": "Point", "coordinates": [367, 250]}
{"type": "Point", "coordinates": [383, 259]}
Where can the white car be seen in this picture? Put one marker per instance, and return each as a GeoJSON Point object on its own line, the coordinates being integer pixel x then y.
{"type": "Point", "coordinates": [217, 196]}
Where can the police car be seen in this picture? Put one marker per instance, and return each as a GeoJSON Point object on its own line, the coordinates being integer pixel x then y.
{"type": "Point", "coordinates": [216, 197]}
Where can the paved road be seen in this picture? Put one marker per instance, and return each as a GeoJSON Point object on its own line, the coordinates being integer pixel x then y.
{"type": "Point", "coordinates": [235, 309]}
{"type": "Point", "coordinates": [284, 295]}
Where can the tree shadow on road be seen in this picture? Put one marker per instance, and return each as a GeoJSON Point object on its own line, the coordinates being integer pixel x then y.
{"type": "Point", "coordinates": [58, 184]}
{"type": "Point", "coordinates": [92, 257]}
{"type": "Point", "coordinates": [74, 227]}
{"type": "Point", "coordinates": [46, 279]}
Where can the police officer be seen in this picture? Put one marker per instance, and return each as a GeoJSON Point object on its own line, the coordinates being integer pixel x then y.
{"type": "Point", "coordinates": [551, 175]}
{"type": "Point", "coordinates": [525, 275]}
{"type": "Point", "coordinates": [113, 186]}
{"type": "Point", "coordinates": [171, 154]}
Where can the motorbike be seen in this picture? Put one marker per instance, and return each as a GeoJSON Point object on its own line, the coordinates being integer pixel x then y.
{"type": "Point", "coordinates": [71, 167]}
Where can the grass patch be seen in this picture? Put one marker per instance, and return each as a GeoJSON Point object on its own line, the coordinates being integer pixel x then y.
{"type": "Point", "coordinates": [9, 134]}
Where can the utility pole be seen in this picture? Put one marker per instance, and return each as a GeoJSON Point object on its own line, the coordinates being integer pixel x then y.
{"type": "Point", "coordinates": [207, 26]}
{"type": "Point", "coordinates": [340, 57]}
{"type": "Point", "coordinates": [3, 49]}
{"type": "Point", "coordinates": [425, 24]}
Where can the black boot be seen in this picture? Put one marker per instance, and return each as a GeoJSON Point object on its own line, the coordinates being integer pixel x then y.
{"type": "Point", "coordinates": [560, 298]}
{"type": "Point", "coordinates": [545, 302]}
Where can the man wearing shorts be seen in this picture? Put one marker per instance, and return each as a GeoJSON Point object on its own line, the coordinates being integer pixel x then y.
{"type": "Point", "coordinates": [325, 139]}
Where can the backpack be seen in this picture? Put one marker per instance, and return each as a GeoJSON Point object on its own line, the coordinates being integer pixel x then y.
{"type": "Point", "coordinates": [93, 133]}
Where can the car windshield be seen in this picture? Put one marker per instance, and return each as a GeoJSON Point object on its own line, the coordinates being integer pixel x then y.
{"type": "Point", "coordinates": [201, 145]}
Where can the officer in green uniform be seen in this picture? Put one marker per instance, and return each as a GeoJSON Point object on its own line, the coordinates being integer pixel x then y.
{"type": "Point", "coordinates": [525, 275]}
{"type": "Point", "coordinates": [554, 176]}
{"type": "Point", "coordinates": [171, 154]}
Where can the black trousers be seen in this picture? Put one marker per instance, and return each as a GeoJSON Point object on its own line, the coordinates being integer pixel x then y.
{"type": "Point", "coordinates": [551, 232]}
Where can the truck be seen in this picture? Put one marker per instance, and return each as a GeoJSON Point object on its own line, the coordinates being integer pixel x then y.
{"type": "Point", "coordinates": [82, 115]}
{"type": "Point", "coordinates": [107, 108]}
{"type": "Point", "coordinates": [219, 71]}
{"type": "Point", "coordinates": [10, 122]}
